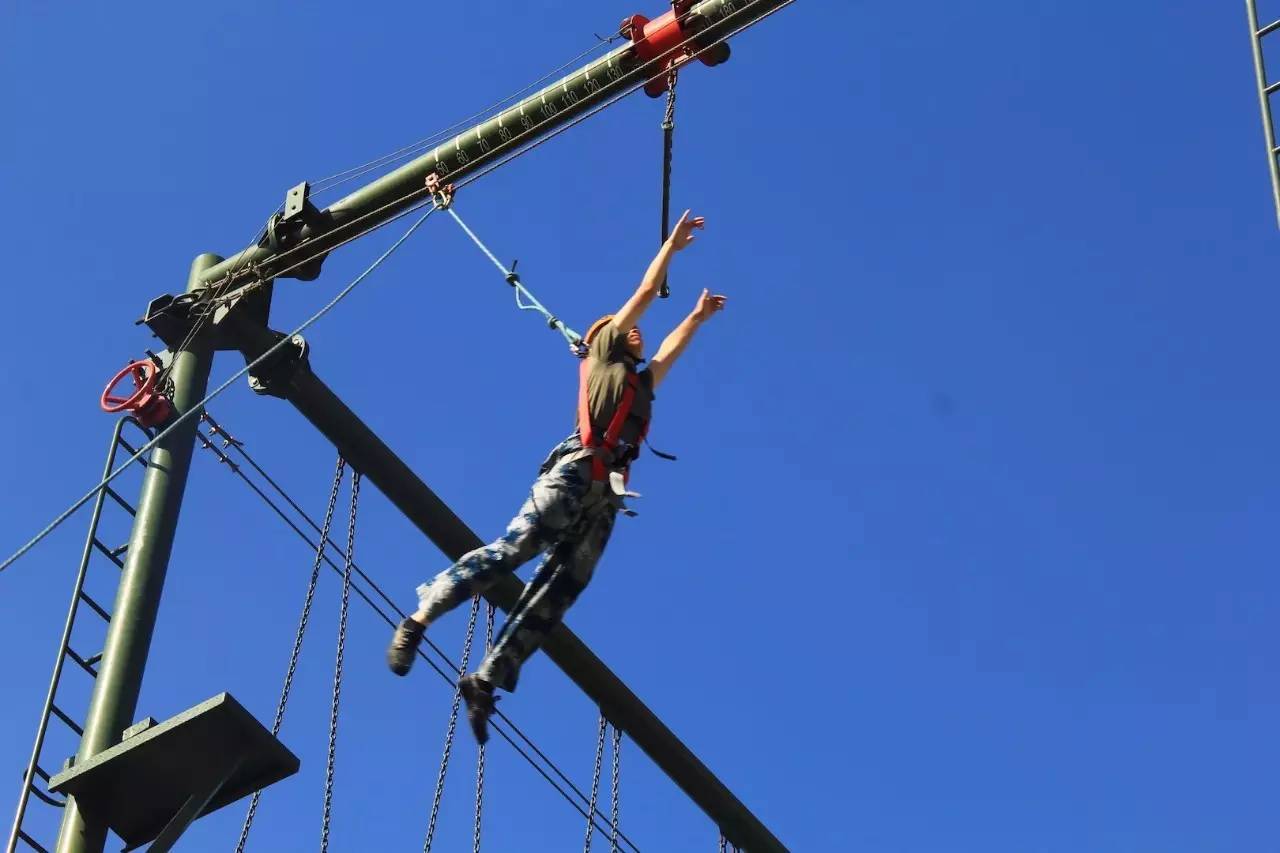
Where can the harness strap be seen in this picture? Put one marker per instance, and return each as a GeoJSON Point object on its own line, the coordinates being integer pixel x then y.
{"type": "Point", "coordinates": [613, 432]}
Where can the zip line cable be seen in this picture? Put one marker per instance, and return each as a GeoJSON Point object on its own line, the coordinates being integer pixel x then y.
{"type": "Point", "coordinates": [187, 415]}
{"type": "Point", "coordinates": [506, 722]}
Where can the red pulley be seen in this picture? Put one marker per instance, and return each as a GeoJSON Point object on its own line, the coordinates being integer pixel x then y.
{"type": "Point", "coordinates": [670, 39]}
{"type": "Point", "coordinates": [148, 405]}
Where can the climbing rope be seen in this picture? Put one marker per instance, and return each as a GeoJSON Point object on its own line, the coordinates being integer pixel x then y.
{"type": "Point", "coordinates": [595, 782]}
{"type": "Point", "coordinates": [330, 761]}
{"type": "Point", "coordinates": [513, 278]}
{"type": "Point", "coordinates": [452, 727]}
{"type": "Point", "coordinates": [480, 753]}
{"type": "Point", "coordinates": [297, 641]}
{"type": "Point", "coordinates": [668, 136]}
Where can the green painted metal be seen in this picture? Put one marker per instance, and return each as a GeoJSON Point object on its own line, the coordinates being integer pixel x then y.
{"type": "Point", "coordinates": [72, 610]}
{"type": "Point", "coordinates": [369, 455]}
{"type": "Point", "coordinates": [161, 777]}
{"type": "Point", "coordinates": [115, 693]}
{"type": "Point", "coordinates": [484, 144]}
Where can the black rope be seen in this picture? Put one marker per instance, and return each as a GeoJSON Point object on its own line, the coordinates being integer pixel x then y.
{"type": "Point", "coordinates": [668, 136]}
{"type": "Point", "coordinates": [297, 640]}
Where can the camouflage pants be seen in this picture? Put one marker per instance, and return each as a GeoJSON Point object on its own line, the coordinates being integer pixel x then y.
{"type": "Point", "coordinates": [566, 517]}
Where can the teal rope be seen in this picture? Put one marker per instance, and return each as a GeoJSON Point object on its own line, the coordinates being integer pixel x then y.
{"type": "Point", "coordinates": [513, 278]}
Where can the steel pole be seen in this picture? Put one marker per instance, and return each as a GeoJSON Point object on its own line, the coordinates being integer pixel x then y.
{"type": "Point", "coordinates": [477, 148]}
{"type": "Point", "coordinates": [124, 657]}
{"type": "Point", "coordinates": [369, 455]}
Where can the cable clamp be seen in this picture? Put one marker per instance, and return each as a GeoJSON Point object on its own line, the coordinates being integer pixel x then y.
{"type": "Point", "coordinates": [441, 194]}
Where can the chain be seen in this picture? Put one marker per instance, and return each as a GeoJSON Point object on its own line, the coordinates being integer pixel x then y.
{"type": "Point", "coordinates": [617, 766]}
{"type": "Point", "coordinates": [337, 666]}
{"type": "Point", "coordinates": [453, 726]}
{"type": "Point", "coordinates": [297, 641]}
{"type": "Point", "coordinates": [488, 646]}
{"type": "Point", "coordinates": [595, 783]}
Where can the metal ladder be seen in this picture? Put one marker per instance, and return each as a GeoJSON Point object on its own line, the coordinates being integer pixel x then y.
{"type": "Point", "coordinates": [94, 546]}
{"type": "Point", "coordinates": [1265, 91]}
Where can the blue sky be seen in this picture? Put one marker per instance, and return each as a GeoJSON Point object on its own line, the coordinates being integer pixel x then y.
{"type": "Point", "coordinates": [971, 544]}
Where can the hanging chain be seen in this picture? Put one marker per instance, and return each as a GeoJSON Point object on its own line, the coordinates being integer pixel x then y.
{"type": "Point", "coordinates": [617, 767]}
{"type": "Point", "coordinates": [595, 784]}
{"type": "Point", "coordinates": [453, 725]}
{"type": "Point", "coordinates": [297, 640]}
{"type": "Point", "coordinates": [337, 665]}
{"type": "Point", "coordinates": [475, 833]}
{"type": "Point", "coordinates": [668, 136]}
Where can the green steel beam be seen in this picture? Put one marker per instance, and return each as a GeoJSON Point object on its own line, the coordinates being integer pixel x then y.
{"type": "Point", "coordinates": [369, 455]}
{"type": "Point", "coordinates": [115, 691]}
{"type": "Point", "coordinates": [482, 145]}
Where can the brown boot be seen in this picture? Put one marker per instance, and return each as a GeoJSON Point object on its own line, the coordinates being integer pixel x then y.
{"type": "Point", "coordinates": [480, 700]}
{"type": "Point", "coordinates": [404, 645]}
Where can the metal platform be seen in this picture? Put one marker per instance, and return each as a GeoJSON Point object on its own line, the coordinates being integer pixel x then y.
{"type": "Point", "coordinates": [153, 784]}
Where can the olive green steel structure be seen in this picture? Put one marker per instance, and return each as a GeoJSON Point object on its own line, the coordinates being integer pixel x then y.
{"type": "Point", "coordinates": [124, 656]}
{"type": "Point", "coordinates": [469, 154]}
{"type": "Point", "coordinates": [368, 454]}
{"type": "Point", "coordinates": [294, 247]}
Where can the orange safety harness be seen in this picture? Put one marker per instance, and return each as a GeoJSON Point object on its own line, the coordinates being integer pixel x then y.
{"type": "Point", "coordinates": [608, 443]}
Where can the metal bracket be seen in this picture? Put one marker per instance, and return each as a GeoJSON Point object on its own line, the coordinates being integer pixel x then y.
{"type": "Point", "coordinates": [287, 228]}
{"type": "Point", "coordinates": [271, 377]}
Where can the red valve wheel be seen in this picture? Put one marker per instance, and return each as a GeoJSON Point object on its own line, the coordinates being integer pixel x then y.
{"type": "Point", "coordinates": [144, 375]}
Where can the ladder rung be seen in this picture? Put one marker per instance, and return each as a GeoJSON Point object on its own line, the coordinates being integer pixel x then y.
{"type": "Point", "coordinates": [31, 842]}
{"type": "Point", "coordinates": [118, 551]}
{"type": "Point", "coordinates": [123, 503]}
{"type": "Point", "coordinates": [1269, 28]}
{"type": "Point", "coordinates": [97, 543]}
{"type": "Point", "coordinates": [1272, 89]}
{"type": "Point", "coordinates": [1275, 151]}
{"type": "Point", "coordinates": [86, 665]}
{"type": "Point", "coordinates": [40, 771]}
{"type": "Point", "coordinates": [45, 798]}
{"type": "Point", "coordinates": [72, 724]}
{"type": "Point", "coordinates": [96, 607]}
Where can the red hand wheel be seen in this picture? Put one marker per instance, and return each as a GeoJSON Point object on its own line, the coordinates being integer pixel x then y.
{"type": "Point", "coordinates": [150, 406]}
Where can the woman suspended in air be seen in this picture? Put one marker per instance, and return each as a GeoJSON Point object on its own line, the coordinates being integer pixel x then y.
{"type": "Point", "coordinates": [571, 508]}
